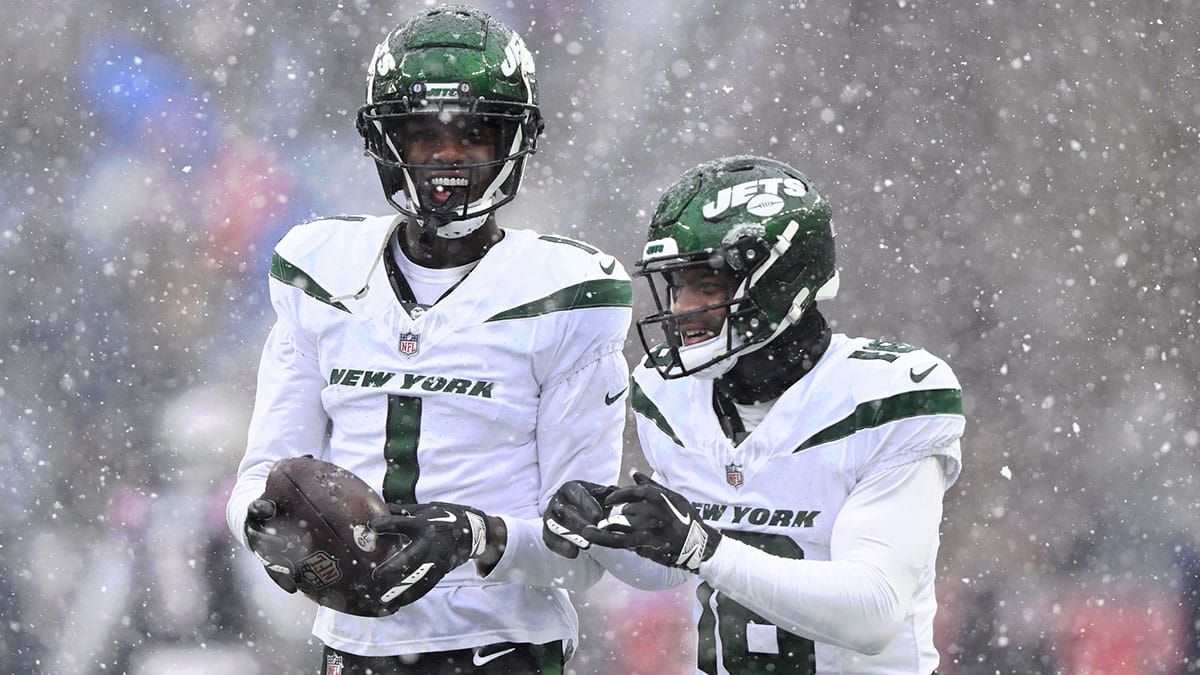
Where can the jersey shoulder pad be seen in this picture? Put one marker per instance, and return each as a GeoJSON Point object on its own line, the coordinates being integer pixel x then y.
{"type": "Point", "coordinates": [862, 384]}
{"type": "Point", "coordinates": [311, 237]}
{"type": "Point", "coordinates": [658, 356]}
{"type": "Point", "coordinates": [329, 257]}
{"type": "Point", "coordinates": [557, 277]}
{"type": "Point", "coordinates": [884, 366]}
{"type": "Point", "coordinates": [887, 378]}
{"type": "Point", "coordinates": [583, 257]}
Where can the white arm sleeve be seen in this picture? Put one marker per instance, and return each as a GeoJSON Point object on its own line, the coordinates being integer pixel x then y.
{"type": "Point", "coordinates": [579, 438]}
{"type": "Point", "coordinates": [288, 419]}
{"type": "Point", "coordinates": [884, 538]}
{"type": "Point", "coordinates": [638, 572]}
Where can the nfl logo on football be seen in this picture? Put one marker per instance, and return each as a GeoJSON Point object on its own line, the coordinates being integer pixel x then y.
{"type": "Point", "coordinates": [320, 569]}
{"type": "Point", "coordinates": [733, 475]}
{"type": "Point", "coordinates": [409, 343]}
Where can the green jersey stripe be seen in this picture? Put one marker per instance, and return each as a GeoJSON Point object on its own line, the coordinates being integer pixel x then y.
{"type": "Point", "coordinates": [569, 242]}
{"type": "Point", "coordinates": [294, 276]}
{"type": "Point", "coordinates": [877, 413]}
{"type": "Point", "coordinates": [595, 293]}
{"type": "Point", "coordinates": [643, 406]}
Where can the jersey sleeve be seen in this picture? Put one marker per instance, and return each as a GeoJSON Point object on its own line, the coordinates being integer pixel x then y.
{"type": "Point", "coordinates": [288, 418]}
{"type": "Point", "coordinates": [884, 540]}
{"type": "Point", "coordinates": [580, 419]}
{"type": "Point", "coordinates": [907, 410]}
{"type": "Point", "coordinates": [634, 570]}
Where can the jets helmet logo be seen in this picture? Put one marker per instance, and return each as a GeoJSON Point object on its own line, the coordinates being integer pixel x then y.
{"type": "Point", "coordinates": [516, 54]}
{"type": "Point", "coordinates": [762, 197]}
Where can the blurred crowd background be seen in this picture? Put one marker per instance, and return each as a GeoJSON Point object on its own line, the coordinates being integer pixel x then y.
{"type": "Point", "coordinates": [1015, 188]}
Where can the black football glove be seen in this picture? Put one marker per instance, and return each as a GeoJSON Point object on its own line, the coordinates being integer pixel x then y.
{"type": "Point", "coordinates": [442, 537]}
{"type": "Point", "coordinates": [272, 549]}
{"type": "Point", "coordinates": [576, 505]}
{"type": "Point", "coordinates": [656, 523]}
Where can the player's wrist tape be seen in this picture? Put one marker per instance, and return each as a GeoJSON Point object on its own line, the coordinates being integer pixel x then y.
{"type": "Point", "coordinates": [691, 554]}
{"type": "Point", "coordinates": [478, 525]}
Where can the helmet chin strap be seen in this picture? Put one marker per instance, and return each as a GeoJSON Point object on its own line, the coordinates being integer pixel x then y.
{"type": "Point", "coordinates": [457, 229]}
{"type": "Point", "coordinates": [440, 225]}
{"type": "Point", "coordinates": [429, 228]}
{"type": "Point", "coordinates": [696, 355]}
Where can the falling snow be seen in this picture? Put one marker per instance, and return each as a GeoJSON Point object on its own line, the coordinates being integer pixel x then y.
{"type": "Point", "coordinates": [1014, 188]}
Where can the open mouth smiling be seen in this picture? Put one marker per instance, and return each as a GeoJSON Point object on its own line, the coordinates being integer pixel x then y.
{"type": "Point", "coordinates": [693, 336]}
{"type": "Point", "coordinates": [445, 186]}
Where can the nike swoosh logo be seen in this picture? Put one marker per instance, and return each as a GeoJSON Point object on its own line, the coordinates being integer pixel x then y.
{"type": "Point", "coordinates": [484, 659]}
{"type": "Point", "coordinates": [683, 518]}
{"type": "Point", "coordinates": [610, 399]}
{"type": "Point", "coordinates": [448, 518]}
{"type": "Point", "coordinates": [917, 377]}
{"type": "Point", "coordinates": [608, 269]}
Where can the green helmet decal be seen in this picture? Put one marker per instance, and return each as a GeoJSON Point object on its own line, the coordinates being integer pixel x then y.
{"type": "Point", "coordinates": [451, 61]}
{"type": "Point", "coordinates": [762, 222]}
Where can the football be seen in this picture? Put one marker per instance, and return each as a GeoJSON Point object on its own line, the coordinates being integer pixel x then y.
{"type": "Point", "coordinates": [328, 509]}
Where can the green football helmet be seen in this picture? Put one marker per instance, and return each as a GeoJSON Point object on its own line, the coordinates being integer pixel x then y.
{"type": "Point", "coordinates": [454, 63]}
{"type": "Point", "coordinates": [762, 223]}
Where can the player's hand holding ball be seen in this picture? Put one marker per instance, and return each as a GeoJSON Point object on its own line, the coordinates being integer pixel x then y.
{"type": "Point", "coordinates": [656, 523]}
{"type": "Point", "coordinates": [309, 528]}
{"type": "Point", "coordinates": [270, 545]}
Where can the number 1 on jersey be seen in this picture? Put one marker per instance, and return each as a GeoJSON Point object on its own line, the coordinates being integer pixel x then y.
{"type": "Point", "coordinates": [400, 449]}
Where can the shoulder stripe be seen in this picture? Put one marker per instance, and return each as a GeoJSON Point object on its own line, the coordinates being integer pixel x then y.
{"type": "Point", "coordinates": [877, 413]}
{"type": "Point", "coordinates": [569, 242]}
{"type": "Point", "coordinates": [294, 276]}
{"type": "Point", "coordinates": [594, 293]}
{"type": "Point", "coordinates": [643, 406]}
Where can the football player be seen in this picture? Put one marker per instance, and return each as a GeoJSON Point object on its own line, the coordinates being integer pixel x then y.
{"type": "Point", "coordinates": [463, 369]}
{"type": "Point", "coordinates": [798, 474]}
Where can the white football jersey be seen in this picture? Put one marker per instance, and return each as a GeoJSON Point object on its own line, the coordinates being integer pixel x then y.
{"type": "Point", "coordinates": [491, 397]}
{"type": "Point", "coordinates": [866, 407]}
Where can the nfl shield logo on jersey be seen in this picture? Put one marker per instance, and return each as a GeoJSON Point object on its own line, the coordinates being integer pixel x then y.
{"type": "Point", "coordinates": [408, 343]}
{"type": "Point", "coordinates": [334, 665]}
{"type": "Point", "coordinates": [733, 475]}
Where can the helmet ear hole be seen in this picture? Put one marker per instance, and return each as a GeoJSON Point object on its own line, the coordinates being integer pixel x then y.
{"type": "Point", "coordinates": [746, 253]}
